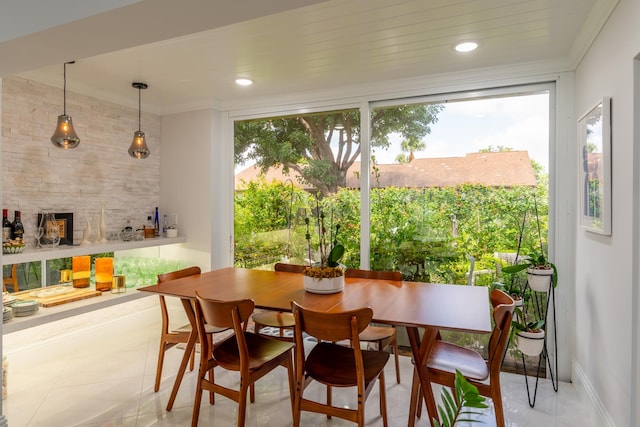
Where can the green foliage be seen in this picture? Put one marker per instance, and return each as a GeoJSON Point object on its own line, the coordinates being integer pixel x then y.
{"type": "Point", "coordinates": [412, 230]}
{"type": "Point", "coordinates": [520, 324]}
{"type": "Point", "coordinates": [454, 407]}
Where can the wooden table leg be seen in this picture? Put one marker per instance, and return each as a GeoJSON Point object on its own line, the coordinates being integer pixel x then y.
{"type": "Point", "coordinates": [193, 337]}
{"type": "Point", "coordinates": [420, 350]}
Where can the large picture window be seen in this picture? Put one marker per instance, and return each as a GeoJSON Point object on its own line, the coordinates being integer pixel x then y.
{"type": "Point", "coordinates": [452, 184]}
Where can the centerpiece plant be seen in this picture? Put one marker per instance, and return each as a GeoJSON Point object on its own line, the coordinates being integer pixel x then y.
{"type": "Point", "coordinates": [329, 250]}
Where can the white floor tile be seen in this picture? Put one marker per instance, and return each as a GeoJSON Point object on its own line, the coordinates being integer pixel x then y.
{"type": "Point", "coordinates": [103, 377]}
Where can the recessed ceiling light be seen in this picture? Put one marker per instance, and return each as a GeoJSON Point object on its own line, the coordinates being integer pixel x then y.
{"type": "Point", "coordinates": [244, 82]}
{"type": "Point", "coordinates": [466, 46]}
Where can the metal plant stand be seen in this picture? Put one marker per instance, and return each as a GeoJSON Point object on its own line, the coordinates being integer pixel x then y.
{"type": "Point", "coordinates": [542, 311]}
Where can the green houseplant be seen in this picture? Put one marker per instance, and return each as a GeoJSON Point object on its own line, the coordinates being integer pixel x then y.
{"type": "Point", "coordinates": [529, 335]}
{"type": "Point", "coordinates": [325, 276]}
{"type": "Point", "coordinates": [540, 271]}
{"type": "Point", "coordinates": [454, 408]}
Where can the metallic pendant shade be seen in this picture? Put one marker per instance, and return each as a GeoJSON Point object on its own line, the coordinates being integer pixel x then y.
{"type": "Point", "coordinates": [138, 148]}
{"type": "Point", "coordinates": [65, 136]}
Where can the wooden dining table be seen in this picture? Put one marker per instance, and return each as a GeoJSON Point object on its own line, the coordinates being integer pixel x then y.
{"type": "Point", "coordinates": [415, 305]}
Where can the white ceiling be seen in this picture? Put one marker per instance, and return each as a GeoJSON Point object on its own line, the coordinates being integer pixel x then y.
{"type": "Point", "coordinates": [190, 56]}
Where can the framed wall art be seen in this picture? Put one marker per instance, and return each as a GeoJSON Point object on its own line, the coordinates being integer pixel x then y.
{"type": "Point", "coordinates": [594, 172]}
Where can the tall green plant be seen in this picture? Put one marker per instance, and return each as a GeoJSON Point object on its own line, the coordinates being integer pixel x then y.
{"type": "Point", "coordinates": [455, 408]}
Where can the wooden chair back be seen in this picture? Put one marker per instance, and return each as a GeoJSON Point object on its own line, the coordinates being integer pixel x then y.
{"type": "Point", "coordinates": [11, 280]}
{"type": "Point", "coordinates": [226, 314]}
{"type": "Point", "coordinates": [503, 307]}
{"type": "Point", "coordinates": [291, 268]}
{"type": "Point", "coordinates": [332, 326]}
{"type": "Point", "coordinates": [179, 274]}
{"type": "Point", "coordinates": [373, 274]}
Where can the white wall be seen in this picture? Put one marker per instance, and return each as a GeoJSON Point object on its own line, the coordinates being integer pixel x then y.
{"type": "Point", "coordinates": [604, 279]}
{"type": "Point", "coordinates": [186, 181]}
{"type": "Point", "coordinates": [36, 175]}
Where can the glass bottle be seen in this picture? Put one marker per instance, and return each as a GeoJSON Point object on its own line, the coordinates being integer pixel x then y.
{"type": "Point", "coordinates": [17, 229]}
{"type": "Point", "coordinates": [156, 223]}
{"type": "Point", "coordinates": [165, 224]}
{"type": "Point", "coordinates": [149, 229]}
{"type": "Point", "coordinates": [6, 226]}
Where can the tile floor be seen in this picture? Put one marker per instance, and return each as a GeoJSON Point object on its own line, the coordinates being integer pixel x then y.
{"type": "Point", "coordinates": [100, 373]}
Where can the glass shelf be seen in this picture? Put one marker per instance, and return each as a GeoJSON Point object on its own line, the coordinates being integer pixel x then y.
{"type": "Point", "coordinates": [64, 251]}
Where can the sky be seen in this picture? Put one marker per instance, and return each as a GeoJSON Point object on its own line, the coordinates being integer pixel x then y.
{"type": "Point", "coordinates": [521, 123]}
{"type": "Point", "coordinates": [467, 126]}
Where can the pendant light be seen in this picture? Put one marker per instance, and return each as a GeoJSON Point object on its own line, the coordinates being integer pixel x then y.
{"type": "Point", "coordinates": [64, 135]}
{"type": "Point", "coordinates": [138, 148]}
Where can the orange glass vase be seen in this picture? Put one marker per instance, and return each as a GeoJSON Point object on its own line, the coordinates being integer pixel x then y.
{"type": "Point", "coordinates": [81, 266]}
{"type": "Point", "coordinates": [104, 274]}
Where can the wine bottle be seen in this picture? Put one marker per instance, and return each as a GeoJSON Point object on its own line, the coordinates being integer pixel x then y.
{"type": "Point", "coordinates": [6, 226]}
{"type": "Point", "coordinates": [17, 229]}
{"type": "Point", "coordinates": [156, 222]}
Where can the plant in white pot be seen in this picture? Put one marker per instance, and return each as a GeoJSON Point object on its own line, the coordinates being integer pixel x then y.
{"type": "Point", "coordinates": [529, 335]}
{"type": "Point", "coordinates": [541, 273]}
{"type": "Point", "coordinates": [325, 276]}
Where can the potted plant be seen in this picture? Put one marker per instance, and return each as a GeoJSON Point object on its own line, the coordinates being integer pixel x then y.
{"type": "Point", "coordinates": [327, 275]}
{"type": "Point", "coordinates": [540, 272]}
{"type": "Point", "coordinates": [529, 335]}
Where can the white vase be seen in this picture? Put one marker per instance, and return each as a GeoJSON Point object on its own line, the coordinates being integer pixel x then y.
{"type": "Point", "coordinates": [330, 285]}
{"type": "Point", "coordinates": [102, 229]}
{"type": "Point", "coordinates": [530, 343]}
{"type": "Point", "coordinates": [539, 278]}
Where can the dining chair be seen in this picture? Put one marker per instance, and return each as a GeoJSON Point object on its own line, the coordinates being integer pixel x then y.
{"type": "Point", "coordinates": [282, 321]}
{"type": "Point", "coordinates": [250, 354]}
{"type": "Point", "coordinates": [445, 358]}
{"type": "Point", "coordinates": [382, 336]}
{"type": "Point", "coordinates": [336, 365]}
{"type": "Point", "coordinates": [171, 337]}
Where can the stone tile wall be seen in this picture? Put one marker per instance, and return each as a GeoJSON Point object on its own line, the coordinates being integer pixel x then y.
{"type": "Point", "coordinates": [36, 176]}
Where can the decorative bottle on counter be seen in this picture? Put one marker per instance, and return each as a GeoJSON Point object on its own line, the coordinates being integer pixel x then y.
{"type": "Point", "coordinates": [17, 229]}
{"type": "Point", "coordinates": [156, 222]}
{"type": "Point", "coordinates": [149, 229]}
{"type": "Point", "coordinates": [6, 226]}
{"type": "Point", "coordinates": [165, 224]}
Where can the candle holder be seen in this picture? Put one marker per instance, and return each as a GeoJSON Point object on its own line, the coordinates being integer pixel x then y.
{"type": "Point", "coordinates": [118, 285]}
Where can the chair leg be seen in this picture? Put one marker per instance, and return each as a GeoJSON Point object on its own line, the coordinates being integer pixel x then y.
{"type": "Point", "coordinates": [196, 401]}
{"type": "Point", "coordinates": [496, 396]}
{"type": "Point", "coordinates": [242, 402]}
{"type": "Point", "coordinates": [297, 397]}
{"type": "Point", "coordinates": [156, 387]}
{"type": "Point", "coordinates": [329, 399]}
{"type": "Point", "coordinates": [415, 404]}
{"type": "Point", "coordinates": [383, 399]}
{"type": "Point", "coordinates": [192, 359]}
{"type": "Point", "coordinates": [395, 355]}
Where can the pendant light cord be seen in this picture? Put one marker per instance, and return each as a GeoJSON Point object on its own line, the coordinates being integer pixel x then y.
{"type": "Point", "coordinates": [64, 90]}
{"type": "Point", "coordinates": [139, 108]}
